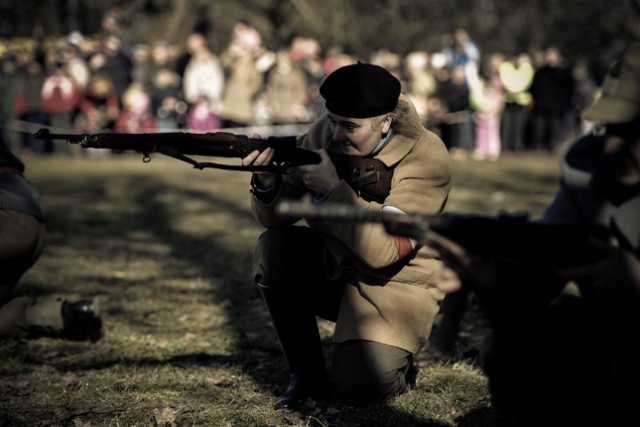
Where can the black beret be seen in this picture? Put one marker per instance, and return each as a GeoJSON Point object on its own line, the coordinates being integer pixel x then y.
{"type": "Point", "coordinates": [360, 91]}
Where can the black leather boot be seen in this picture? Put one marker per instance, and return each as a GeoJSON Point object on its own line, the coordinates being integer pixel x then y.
{"type": "Point", "coordinates": [302, 387]}
{"type": "Point", "coordinates": [297, 331]}
{"type": "Point", "coordinates": [82, 320]}
{"type": "Point", "coordinates": [411, 377]}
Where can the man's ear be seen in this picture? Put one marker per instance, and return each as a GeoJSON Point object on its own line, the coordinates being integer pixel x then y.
{"type": "Point", "coordinates": [386, 123]}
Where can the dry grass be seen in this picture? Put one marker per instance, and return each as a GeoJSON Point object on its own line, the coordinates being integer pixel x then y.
{"type": "Point", "coordinates": [167, 251]}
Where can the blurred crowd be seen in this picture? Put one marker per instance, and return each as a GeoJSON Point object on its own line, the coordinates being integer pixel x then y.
{"type": "Point", "coordinates": [480, 103]}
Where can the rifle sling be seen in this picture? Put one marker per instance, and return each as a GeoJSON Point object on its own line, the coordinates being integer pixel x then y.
{"type": "Point", "coordinates": [203, 165]}
{"type": "Point", "coordinates": [368, 177]}
{"type": "Point", "coordinates": [270, 168]}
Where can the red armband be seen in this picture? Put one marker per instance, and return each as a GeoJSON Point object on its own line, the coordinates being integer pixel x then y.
{"type": "Point", "coordinates": [403, 245]}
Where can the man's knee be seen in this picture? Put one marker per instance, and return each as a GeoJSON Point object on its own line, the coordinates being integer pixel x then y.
{"type": "Point", "coordinates": [268, 255]}
{"type": "Point", "coordinates": [284, 253]}
{"type": "Point", "coordinates": [363, 371]}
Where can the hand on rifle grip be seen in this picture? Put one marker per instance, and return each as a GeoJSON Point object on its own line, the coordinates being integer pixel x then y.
{"type": "Point", "coordinates": [616, 274]}
{"type": "Point", "coordinates": [264, 158]}
{"type": "Point", "coordinates": [320, 177]}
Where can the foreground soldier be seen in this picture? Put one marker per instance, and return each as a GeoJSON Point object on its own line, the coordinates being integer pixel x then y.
{"type": "Point", "coordinates": [568, 356]}
{"type": "Point", "coordinates": [22, 238]}
{"type": "Point", "coordinates": [379, 289]}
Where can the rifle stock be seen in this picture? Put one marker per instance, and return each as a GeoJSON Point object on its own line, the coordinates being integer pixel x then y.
{"type": "Point", "coordinates": [508, 235]}
{"type": "Point", "coordinates": [180, 145]}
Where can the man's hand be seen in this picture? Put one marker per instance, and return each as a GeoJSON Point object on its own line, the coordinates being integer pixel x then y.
{"type": "Point", "coordinates": [322, 177]}
{"type": "Point", "coordinates": [264, 158]}
{"type": "Point", "coordinates": [461, 268]}
{"type": "Point", "coordinates": [618, 273]}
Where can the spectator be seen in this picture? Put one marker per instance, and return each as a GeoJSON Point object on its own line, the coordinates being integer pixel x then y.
{"type": "Point", "coordinates": [195, 41]}
{"type": "Point", "coordinates": [335, 58]}
{"type": "Point", "coordinates": [9, 76]}
{"type": "Point", "coordinates": [466, 47]}
{"type": "Point", "coordinates": [60, 97]}
{"type": "Point", "coordinates": [312, 65]}
{"type": "Point", "coordinates": [200, 117]}
{"type": "Point", "coordinates": [286, 91]}
{"type": "Point", "coordinates": [421, 84]}
{"type": "Point", "coordinates": [99, 105]}
{"type": "Point", "coordinates": [487, 104]}
{"type": "Point", "coordinates": [141, 65]}
{"type": "Point", "coordinates": [457, 125]}
{"type": "Point", "coordinates": [552, 91]}
{"type": "Point", "coordinates": [163, 55]}
{"type": "Point", "coordinates": [167, 100]}
{"type": "Point", "coordinates": [390, 60]}
{"type": "Point", "coordinates": [244, 81]}
{"type": "Point", "coordinates": [76, 65]}
{"type": "Point", "coordinates": [113, 59]}
{"type": "Point", "coordinates": [516, 74]}
{"type": "Point", "coordinates": [203, 74]}
{"type": "Point", "coordinates": [28, 107]}
{"type": "Point", "coordinates": [136, 115]}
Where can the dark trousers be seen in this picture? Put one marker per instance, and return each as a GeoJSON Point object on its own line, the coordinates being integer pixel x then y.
{"type": "Point", "coordinates": [514, 127]}
{"type": "Point", "coordinates": [291, 266]}
{"type": "Point", "coordinates": [548, 128]}
{"type": "Point", "coordinates": [22, 239]}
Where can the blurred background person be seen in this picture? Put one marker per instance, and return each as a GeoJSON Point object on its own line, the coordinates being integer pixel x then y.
{"type": "Point", "coordinates": [487, 104]}
{"type": "Point", "coordinates": [420, 82]}
{"type": "Point", "coordinates": [203, 73]}
{"type": "Point", "coordinates": [516, 74]}
{"type": "Point", "coordinates": [99, 106]}
{"type": "Point", "coordinates": [456, 123]}
{"type": "Point", "coordinates": [244, 81]}
{"type": "Point", "coordinates": [28, 109]}
{"type": "Point", "coordinates": [552, 90]}
{"type": "Point", "coordinates": [201, 118]}
{"type": "Point", "coordinates": [286, 91]}
{"type": "Point", "coordinates": [136, 115]}
{"type": "Point", "coordinates": [167, 99]}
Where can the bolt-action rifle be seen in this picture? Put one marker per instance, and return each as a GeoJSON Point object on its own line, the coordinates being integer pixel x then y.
{"type": "Point", "coordinates": [510, 235]}
{"type": "Point", "coordinates": [180, 145]}
{"type": "Point", "coordinates": [369, 177]}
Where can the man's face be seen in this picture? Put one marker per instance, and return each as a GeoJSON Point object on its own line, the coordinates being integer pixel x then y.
{"type": "Point", "coordinates": [623, 145]}
{"type": "Point", "coordinates": [357, 137]}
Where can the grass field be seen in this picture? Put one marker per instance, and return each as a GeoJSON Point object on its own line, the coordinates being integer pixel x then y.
{"type": "Point", "coordinates": [167, 250]}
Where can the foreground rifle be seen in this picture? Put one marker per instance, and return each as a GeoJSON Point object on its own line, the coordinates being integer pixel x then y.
{"type": "Point", "coordinates": [508, 235]}
{"type": "Point", "coordinates": [369, 177]}
{"type": "Point", "coordinates": [179, 145]}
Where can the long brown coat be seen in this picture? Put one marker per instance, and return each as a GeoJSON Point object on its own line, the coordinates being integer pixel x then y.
{"type": "Point", "coordinates": [390, 301]}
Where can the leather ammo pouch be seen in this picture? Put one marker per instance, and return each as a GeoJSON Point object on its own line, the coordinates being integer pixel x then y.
{"type": "Point", "coordinates": [368, 177]}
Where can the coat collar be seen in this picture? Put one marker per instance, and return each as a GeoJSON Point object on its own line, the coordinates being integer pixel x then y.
{"type": "Point", "coordinates": [396, 150]}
